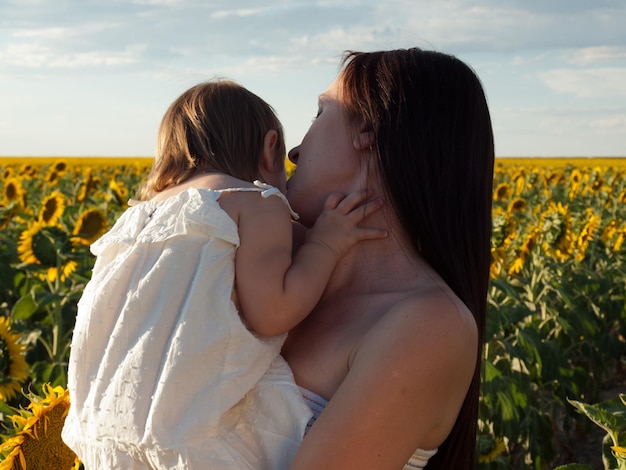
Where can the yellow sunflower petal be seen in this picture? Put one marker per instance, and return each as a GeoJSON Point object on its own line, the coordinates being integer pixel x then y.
{"type": "Point", "coordinates": [13, 367]}
{"type": "Point", "coordinates": [619, 451]}
{"type": "Point", "coordinates": [90, 226]}
{"type": "Point", "coordinates": [52, 208]}
{"type": "Point", "coordinates": [39, 442]}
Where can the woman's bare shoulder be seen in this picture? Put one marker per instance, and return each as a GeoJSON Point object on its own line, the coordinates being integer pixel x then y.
{"type": "Point", "coordinates": [436, 311]}
{"type": "Point", "coordinates": [425, 348]}
{"type": "Point", "coordinates": [433, 318]}
{"type": "Point", "coordinates": [407, 379]}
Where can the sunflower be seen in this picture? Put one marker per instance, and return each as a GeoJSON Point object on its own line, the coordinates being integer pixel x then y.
{"type": "Point", "coordinates": [7, 173]}
{"type": "Point", "coordinates": [52, 208]}
{"type": "Point", "coordinates": [614, 233]}
{"type": "Point", "coordinates": [14, 192]}
{"type": "Point", "coordinates": [517, 205]}
{"type": "Point", "coordinates": [37, 442]}
{"type": "Point", "coordinates": [28, 170]}
{"type": "Point", "coordinates": [290, 167]}
{"type": "Point", "coordinates": [575, 177]}
{"type": "Point", "coordinates": [498, 259]}
{"type": "Point", "coordinates": [86, 186]}
{"type": "Point", "coordinates": [502, 192]}
{"type": "Point", "coordinates": [52, 177]}
{"type": "Point", "coordinates": [558, 241]}
{"type": "Point", "coordinates": [518, 173]}
{"type": "Point", "coordinates": [527, 247]}
{"type": "Point", "coordinates": [596, 182]}
{"type": "Point", "coordinates": [576, 180]}
{"type": "Point", "coordinates": [498, 448]}
{"type": "Point", "coordinates": [520, 184]}
{"type": "Point", "coordinates": [119, 192]}
{"type": "Point", "coordinates": [45, 245]}
{"type": "Point", "coordinates": [587, 234]}
{"type": "Point", "coordinates": [90, 225]}
{"type": "Point", "coordinates": [13, 367]}
{"type": "Point", "coordinates": [619, 241]}
{"type": "Point", "coordinates": [7, 214]}
{"type": "Point", "coordinates": [60, 166]}
{"type": "Point", "coordinates": [503, 229]}
{"type": "Point", "coordinates": [609, 231]}
{"type": "Point", "coordinates": [555, 177]}
{"type": "Point", "coordinates": [619, 452]}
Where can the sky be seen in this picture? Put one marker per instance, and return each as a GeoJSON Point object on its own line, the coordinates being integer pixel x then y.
{"type": "Point", "coordinates": [94, 77]}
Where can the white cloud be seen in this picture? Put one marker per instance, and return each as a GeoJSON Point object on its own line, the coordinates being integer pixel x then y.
{"type": "Point", "coordinates": [64, 32]}
{"type": "Point", "coordinates": [587, 83]}
{"type": "Point", "coordinates": [521, 60]}
{"type": "Point", "coordinates": [331, 43]}
{"type": "Point", "coordinates": [509, 25]}
{"type": "Point", "coordinates": [237, 12]}
{"type": "Point", "coordinates": [94, 58]}
{"type": "Point", "coordinates": [157, 2]}
{"type": "Point", "coordinates": [611, 123]}
{"type": "Point", "coordinates": [527, 53]}
{"type": "Point", "coordinates": [560, 130]}
{"type": "Point", "coordinates": [37, 55]}
{"type": "Point", "coordinates": [46, 33]}
{"type": "Point", "coordinates": [592, 55]}
{"type": "Point", "coordinates": [25, 55]}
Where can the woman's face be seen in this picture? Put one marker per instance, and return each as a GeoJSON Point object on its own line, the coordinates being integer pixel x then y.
{"type": "Point", "coordinates": [327, 160]}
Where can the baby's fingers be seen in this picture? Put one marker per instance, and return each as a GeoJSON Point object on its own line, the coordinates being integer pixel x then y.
{"type": "Point", "coordinates": [368, 208]}
{"type": "Point", "coordinates": [352, 201]}
{"type": "Point", "coordinates": [333, 201]}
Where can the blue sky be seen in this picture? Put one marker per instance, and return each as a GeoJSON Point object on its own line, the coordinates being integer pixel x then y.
{"type": "Point", "coordinates": [94, 77]}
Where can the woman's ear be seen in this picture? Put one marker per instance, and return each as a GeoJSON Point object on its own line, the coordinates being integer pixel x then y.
{"type": "Point", "coordinates": [267, 162]}
{"type": "Point", "coordinates": [364, 139]}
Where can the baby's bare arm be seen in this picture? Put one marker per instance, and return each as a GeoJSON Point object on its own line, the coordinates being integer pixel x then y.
{"type": "Point", "coordinates": [275, 291]}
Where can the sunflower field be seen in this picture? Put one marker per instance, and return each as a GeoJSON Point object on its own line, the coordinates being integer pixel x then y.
{"type": "Point", "coordinates": [556, 318]}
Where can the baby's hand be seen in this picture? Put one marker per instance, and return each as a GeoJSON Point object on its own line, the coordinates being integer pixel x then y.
{"type": "Point", "coordinates": [337, 227]}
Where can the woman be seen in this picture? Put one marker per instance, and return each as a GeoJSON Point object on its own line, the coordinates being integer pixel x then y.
{"type": "Point", "coordinates": [391, 353]}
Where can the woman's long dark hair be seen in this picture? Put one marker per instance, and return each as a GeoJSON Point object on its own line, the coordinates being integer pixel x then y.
{"type": "Point", "coordinates": [435, 153]}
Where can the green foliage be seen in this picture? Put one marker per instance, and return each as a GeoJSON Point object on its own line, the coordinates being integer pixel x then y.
{"type": "Point", "coordinates": [45, 261]}
{"type": "Point", "coordinates": [574, 466]}
{"type": "Point", "coordinates": [556, 322]}
{"type": "Point", "coordinates": [610, 415]}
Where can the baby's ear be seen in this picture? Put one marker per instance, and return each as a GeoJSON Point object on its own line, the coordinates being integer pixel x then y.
{"type": "Point", "coordinates": [364, 139]}
{"type": "Point", "coordinates": [268, 155]}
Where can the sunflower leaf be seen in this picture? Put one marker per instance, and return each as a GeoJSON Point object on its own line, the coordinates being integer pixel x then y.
{"type": "Point", "coordinates": [24, 308]}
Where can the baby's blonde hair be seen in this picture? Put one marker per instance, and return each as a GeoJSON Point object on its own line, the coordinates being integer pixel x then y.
{"type": "Point", "coordinates": [214, 126]}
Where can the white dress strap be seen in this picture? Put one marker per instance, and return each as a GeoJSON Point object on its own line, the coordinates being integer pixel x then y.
{"type": "Point", "coordinates": [266, 191]}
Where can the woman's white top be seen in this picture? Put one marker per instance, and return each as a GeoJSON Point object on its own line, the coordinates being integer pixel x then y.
{"type": "Point", "coordinates": [316, 403]}
{"type": "Point", "coordinates": [163, 374]}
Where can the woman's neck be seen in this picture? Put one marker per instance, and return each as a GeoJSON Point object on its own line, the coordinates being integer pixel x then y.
{"type": "Point", "coordinates": [376, 266]}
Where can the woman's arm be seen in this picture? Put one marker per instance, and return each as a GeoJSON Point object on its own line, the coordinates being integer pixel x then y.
{"type": "Point", "coordinates": [406, 383]}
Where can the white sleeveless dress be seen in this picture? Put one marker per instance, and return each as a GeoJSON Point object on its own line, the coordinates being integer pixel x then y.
{"type": "Point", "coordinates": [163, 374]}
